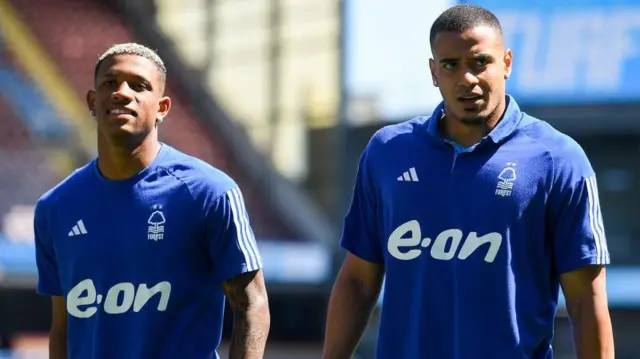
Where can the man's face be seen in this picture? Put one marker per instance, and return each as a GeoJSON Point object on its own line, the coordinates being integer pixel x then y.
{"type": "Point", "coordinates": [127, 99]}
{"type": "Point", "coordinates": [470, 69]}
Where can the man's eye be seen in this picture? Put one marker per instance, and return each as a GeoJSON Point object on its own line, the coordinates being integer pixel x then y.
{"type": "Point", "coordinates": [449, 65]}
{"type": "Point", "coordinates": [482, 61]}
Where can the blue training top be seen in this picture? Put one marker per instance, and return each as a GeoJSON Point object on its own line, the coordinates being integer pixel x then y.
{"type": "Point", "coordinates": [141, 261]}
{"type": "Point", "coordinates": [473, 240]}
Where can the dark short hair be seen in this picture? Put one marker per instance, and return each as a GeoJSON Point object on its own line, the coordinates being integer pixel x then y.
{"type": "Point", "coordinates": [460, 18]}
{"type": "Point", "coordinates": [132, 49]}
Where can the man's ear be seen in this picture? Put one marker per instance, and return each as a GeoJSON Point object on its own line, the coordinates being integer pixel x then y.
{"type": "Point", "coordinates": [508, 63]}
{"type": "Point", "coordinates": [165, 107]}
{"type": "Point", "coordinates": [432, 68]}
{"type": "Point", "coordinates": [91, 102]}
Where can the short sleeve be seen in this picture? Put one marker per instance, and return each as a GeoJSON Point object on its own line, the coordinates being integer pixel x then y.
{"type": "Point", "coordinates": [577, 226]}
{"type": "Point", "coordinates": [232, 243]}
{"type": "Point", "coordinates": [359, 233]}
{"type": "Point", "coordinates": [48, 275]}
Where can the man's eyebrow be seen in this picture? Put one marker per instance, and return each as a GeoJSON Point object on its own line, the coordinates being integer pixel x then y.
{"type": "Point", "coordinates": [111, 74]}
{"type": "Point", "coordinates": [478, 55]}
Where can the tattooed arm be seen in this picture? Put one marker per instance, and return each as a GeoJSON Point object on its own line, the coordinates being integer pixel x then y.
{"type": "Point", "coordinates": [247, 297]}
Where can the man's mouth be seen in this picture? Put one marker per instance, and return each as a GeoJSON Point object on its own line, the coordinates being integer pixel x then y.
{"type": "Point", "coordinates": [471, 102]}
{"type": "Point", "coordinates": [122, 111]}
{"type": "Point", "coordinates": [470, 97]}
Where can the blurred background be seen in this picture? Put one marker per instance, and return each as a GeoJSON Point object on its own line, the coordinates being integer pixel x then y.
{"type": "Point", "coordinates": [283, 95]}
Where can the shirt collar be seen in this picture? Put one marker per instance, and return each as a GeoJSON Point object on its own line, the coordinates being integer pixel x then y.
{"type": "Point", "coordinates": [505, 127]}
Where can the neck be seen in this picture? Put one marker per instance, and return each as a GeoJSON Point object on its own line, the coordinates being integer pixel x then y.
{"type": "Point", "coordinates": [119, 161]}
{"type": "Point", "coordinates": [468, 134]}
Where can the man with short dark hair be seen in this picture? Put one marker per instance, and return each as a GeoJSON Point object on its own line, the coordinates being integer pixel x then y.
{"type": "Point", "coordinates": [139, 248]}
{"type": "Point", "coordinates": [475, 216]}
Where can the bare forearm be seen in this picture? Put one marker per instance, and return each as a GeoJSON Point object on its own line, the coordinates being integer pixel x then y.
{"type": "Point", "coordinates": [250, 332]}
{"type": "Point", "coordinates": [248, 299]}
{"type": "Point", "coordinates": [592, 332]}
{"type": "Point", "coordinates": [58, 345]}
{"type": "Point", "coordinates": [350, 309]}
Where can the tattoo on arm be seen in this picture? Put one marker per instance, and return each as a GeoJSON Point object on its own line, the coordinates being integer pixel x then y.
{"type": "Point", "coordinates": [247, 298]}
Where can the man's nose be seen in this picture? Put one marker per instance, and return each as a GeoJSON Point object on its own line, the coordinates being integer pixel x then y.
{"type": "Point", "coordinates": [123, 92]}
{"type": "Point", "coordinates": [469, 78]}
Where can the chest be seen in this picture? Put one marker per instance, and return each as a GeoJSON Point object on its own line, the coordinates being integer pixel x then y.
{"type": "Point", "coordinates": [477, 207]}
{"type": "Point", "coordinates": [130, 235]}
{"type": "Point", "coordinates": [462, 188]}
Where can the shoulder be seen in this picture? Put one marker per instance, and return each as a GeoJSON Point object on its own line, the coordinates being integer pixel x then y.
{"type": "Point", "coordinates": [564, 151]}
{"type": "Point", "coordinates": [200, 177]}
{"type": "Point", "coordinates": [401, 133]}
{"type": "Point", "coordinates": [72, 185]}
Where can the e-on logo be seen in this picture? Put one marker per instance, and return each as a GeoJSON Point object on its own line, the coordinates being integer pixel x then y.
{"type": "Point", "coordinates": [399, 239]}
{"type": "Point", "coordinates": [120, 298]}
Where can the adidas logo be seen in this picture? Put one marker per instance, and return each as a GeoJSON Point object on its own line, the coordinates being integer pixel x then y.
{"type": "Point", "coordinates": [78, 229]}
{"type": "Point", "coordinates": [409, 176]}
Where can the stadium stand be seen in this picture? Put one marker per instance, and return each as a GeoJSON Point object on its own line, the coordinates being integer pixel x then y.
{"type": "Point", "coordinates": [75, 32]}
{"type": "Point", "coordinates": [13, 134]}
{"type": "Point", "coordinates": [27, 118]}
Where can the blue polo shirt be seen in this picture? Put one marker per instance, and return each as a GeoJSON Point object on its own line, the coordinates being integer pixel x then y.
{"type": "Point", "coordinates": [473, 240]}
